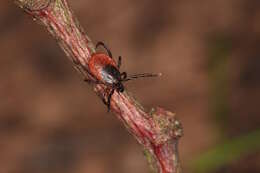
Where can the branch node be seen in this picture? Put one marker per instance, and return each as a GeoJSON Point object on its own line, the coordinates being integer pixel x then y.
{"type": "Point", "coordinates": [168, 127]}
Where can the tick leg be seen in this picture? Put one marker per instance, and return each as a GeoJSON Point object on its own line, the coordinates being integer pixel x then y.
{"type": "Point", "coordinates": [89, 81]}
{"type": "Point", "coordinates": [123, 75]}
{"type": "Point", "coordinates": [92, 81]}
{"type": "Point", "coordinates": [109, 99]}
{"type": "Point", "coordinates": [119, 62]}
{"type": "Point", "coordinates": [107, 102]}
{"type": "Point", "coordinates": [104, 46]}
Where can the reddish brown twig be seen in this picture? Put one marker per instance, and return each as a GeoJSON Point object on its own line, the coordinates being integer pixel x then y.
{"type": "Point", "coordinates": [158, 131]}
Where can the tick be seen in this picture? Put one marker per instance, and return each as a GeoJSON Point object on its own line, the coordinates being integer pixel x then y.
{"type": "Point", "coordinates": [104, 69]}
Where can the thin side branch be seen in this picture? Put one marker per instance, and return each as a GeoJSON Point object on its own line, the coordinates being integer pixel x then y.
{"type": "Point", "coordinates": [157, 131]}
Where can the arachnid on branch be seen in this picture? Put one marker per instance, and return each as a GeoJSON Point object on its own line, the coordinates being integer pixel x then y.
{"type": "Point", "coordinates": [104, 70]}
{"type": "Point", "coordinates": [158, 131]}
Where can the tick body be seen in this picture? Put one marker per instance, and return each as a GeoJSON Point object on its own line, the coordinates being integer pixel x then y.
{"type": "Point", "coordinates": [105, 70]}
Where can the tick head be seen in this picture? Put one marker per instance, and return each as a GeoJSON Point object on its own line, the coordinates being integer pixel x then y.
{"type": "Point", "coordinates": [120, 87]}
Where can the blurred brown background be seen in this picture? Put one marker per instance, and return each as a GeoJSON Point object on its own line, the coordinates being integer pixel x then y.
{"type": "Point", "coordinates": [208, 52]}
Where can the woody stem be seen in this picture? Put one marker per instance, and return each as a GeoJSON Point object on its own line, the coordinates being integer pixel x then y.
{"type": "Point", "coordinates": [157, 131]}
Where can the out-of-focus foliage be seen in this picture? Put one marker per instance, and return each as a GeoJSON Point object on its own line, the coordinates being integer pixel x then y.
{"type": "Point", "coordinates": [227, 152]}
